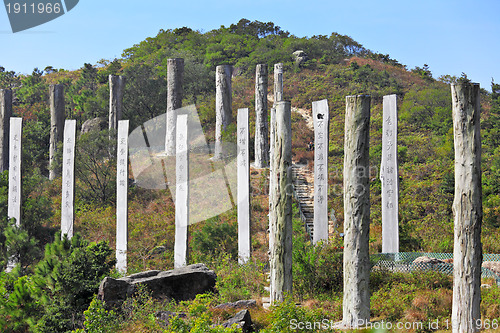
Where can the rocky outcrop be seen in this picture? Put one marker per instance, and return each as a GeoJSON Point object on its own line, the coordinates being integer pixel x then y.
{"type": "Point", "coordinates": [178, 284]}
{"type": "Point", "coordinates": [242, 320]}
{"type": "Point", "coordinates": [300, 57]}
{"type": "Point", "coordinates": [164, 316]}
{"type": "Point", "coordinates": [493, 266]}
{"type": "Point", "coordinates": [93, 125]}
{"type": "Point", "coordinates": [428, 260]}
{"type": "Point", "coordinates": [242, 304]}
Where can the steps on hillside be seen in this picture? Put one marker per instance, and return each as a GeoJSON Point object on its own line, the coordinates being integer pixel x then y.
{"type": "Point", "coordinates": [303, 186]}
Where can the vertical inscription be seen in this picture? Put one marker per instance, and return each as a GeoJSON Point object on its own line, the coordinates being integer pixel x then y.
{"type": "Point", "coordinates": [389, 177]}
{"type": "Point", "coordinates": [14, 207]}
{"type": "Point", "coordinates": [121, 196]}
{"type": "Point", "coordinates": [321, 118]}
{"type": "Point", "coordinates": [182, 192]}
{"type": "Point", "coordinates": [244, 240]}
{"type": "Point", "coordinates": [68, 179]}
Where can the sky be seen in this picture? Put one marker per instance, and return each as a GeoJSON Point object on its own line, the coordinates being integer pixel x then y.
{"type": "Point", "coordinates": [451, 36]}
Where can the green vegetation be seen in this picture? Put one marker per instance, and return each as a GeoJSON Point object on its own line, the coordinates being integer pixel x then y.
{"type": "Point", "coordinates": [53, 287]}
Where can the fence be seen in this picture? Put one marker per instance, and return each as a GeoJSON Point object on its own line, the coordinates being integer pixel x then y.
{"type": "Point", "coordinates": [404, 262]}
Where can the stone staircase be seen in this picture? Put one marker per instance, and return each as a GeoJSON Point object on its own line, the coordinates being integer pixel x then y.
{"type": "Point", "coordinates": [303, 185]}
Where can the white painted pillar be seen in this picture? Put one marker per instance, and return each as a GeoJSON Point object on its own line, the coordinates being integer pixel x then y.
{"type": "Point", "coordinates": [68, 179]}
{"type": "Point", "coordinates": [321, 121]}
{"type": "Point", "coordinates": [121, 197]}
{"type": "Point", "coordinates": [243, 160]}
{"type": "Point", "coordinates": [14, 206]}
{"type": "Point", "coordinates": [181, 192]}
{"type": "Point", "coordinates": [389, 176]}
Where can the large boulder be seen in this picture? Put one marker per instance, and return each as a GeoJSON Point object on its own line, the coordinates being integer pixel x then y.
{"type": "Point", "coordinates": [93, 125]}
{"type": "Point", "coordinates": [242, 320]}
{"type": "Point", "coordinates": [493, 266]}
{"type": "Point", "coordinates": [428, 260]}
{"type": "Point", "coordinates": [300, 57]}
{"type": "Point", "coordinates": [242, 304]}
{"type": "Point", "coordinates": [179, 284]}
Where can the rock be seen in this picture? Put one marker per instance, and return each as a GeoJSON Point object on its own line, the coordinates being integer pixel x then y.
{"type": "Point", "coordinates": [164, 316]}
{"type": "Point", "coordinates": [300, 57]}
{"type": "Point", "coordinates": [242, 304]}
{"type": "Point", "coordinates": [179, 284]}
{"type": "Point", "coordinates": [242, 320]}
{"type": "Point", "coordinates": [93, 125]}
{"type": "Point", "coordinates": [428, 260]}
{"type": "Point", "coordinates": [493, 266]}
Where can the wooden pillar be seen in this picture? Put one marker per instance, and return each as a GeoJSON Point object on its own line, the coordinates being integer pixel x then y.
{"type": "Point", "coordinates": [356, 304]}
{"type": "Point", "coordinates": [223, 106]}
{"type": "Point", "coordinates": [261, 127]}
{"type": "Point", "coordinates": [175, 75]}
{"type": "Point", "coordinates": [181, 192]}
{"type": "Point", "coordinates": [278, 83]}
{"type": "Point", "coordinates": [281, 209]}
{"type": "Point", "coordinates": [56, 126]}
{"type": "Point", "coordinates": [14, 196]}
{"type": "Point", "coordinates": [122, 197]}
{"type": "Point", "coordinates": [5, 114]}
{"type": "Point", "coordinates": [389, 176]}
{"type": "Point", "coordinates": [116, 86]}
{"type": "Point", "coordinates": [243, 193]}
{"type": "Point", "coordinates": [68, 180]}
{"type": "Point", "coordinates": [320, 120]}
{"type": "Point", "coordinates": [467, 208]}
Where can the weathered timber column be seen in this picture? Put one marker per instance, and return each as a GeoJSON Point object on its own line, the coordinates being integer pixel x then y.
{"type": "Point", "coordinates": [68, 180]}
{"type": "Point", "coordinates": [116, 86]}
{"type": "Point", "coordinates": [14, 203]}
{"type": "Point", "coordinates": [223, 106]}
{"type": "Point", "coordinates": [272, 180]}
{"type": "Point", "coordinates": [261, 127]}
{"type": "Point", "coordinates": [56, 126]}
{"type": "Point", "coordinates": [467, 208]}
{"type": "Point", "coordinates": [243, 193]}
{"type": "Point", "coordinates": [175, 76]}
{"type": "Point", "coordinates": [389, 176]}
{"type": "Point", "coordinates": [321, 120]}
{"type": "Point", "coordinates": [5, 114]}
{"type": "Point", "coordinates": [281, 210]}
{"type": "Point", "coordinates": [278, 83]}
{"type": "Point", "coordinates": [356, 304]}
{"type": "Point", "coordinates": [122, 197]}
{"type": "Point", "coordinates": [181, 192]}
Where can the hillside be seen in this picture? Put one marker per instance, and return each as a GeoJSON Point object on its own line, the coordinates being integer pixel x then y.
{"type": "Point", "coordinates": [338, 66]}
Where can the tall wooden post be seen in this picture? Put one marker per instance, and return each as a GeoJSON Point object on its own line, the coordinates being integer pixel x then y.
{"type": "Point", "coordinates": [261, 127]}
{"type": "Point", "coordinates": [15, 136]}
{"type": "Point", "coordinates": [278, 83]}
{"type": "Point", "coordinates": [281, 209]}
{"type": "Point", "coordinates": [389, 176]}
{"type": "Point", "coordinates": [243, 193]}
{"type": "Point", "coordinates": [56, 126]}
{"type": "Point", "coordinates": [175, 75]}
{"type": "Point", "coordinates": [116, 86]}
{"type": "Point", "coordinates": [321, 120]}
{"type": "Point", "coordinates": [5, 114]}
{"type": "Point", "coordinates": [181, 192]}
{"type": "Point", "coordinates": [68, 180]}
{"type": "Point", "coordinates": [467, 208]}
{"type": "Point", "coordinates": [223, 106]}
{"type": "Point", "coordinates": [356, 305]}
{"type": "Point", "coordinates": [122, 197]}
